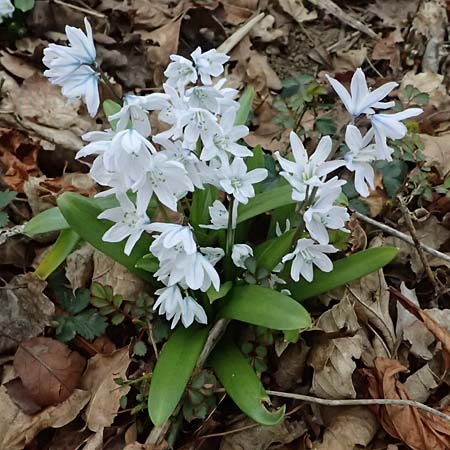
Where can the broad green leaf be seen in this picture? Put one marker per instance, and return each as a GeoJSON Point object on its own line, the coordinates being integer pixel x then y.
{"type": "Point", "coordinates": [109, 108]}
{"type": "Point", "coordinates": [270, 253]}
{"type": "Point", "coordinates": [266, 201]}
{"type": "Point", "coordinates": [265, 307]}
{"type": "Point", "coordinates": [24, 5]}
{"type": "Point", "coordinates": [61, 249]}
{"type": "Point", "coordinates": [245, 107]}
{"type": "Point", "coordinates": [45, 222]}
{"type": "Point", "coordinates": [241, 383]}
{"type": "Point", "coordinates": [149, 263]}
{"type": "Point", "coordinates": [81, 214]}
{"type": "Point", "coordinates": [345, 270]}
{"type": "Point", "coordinates": [173, 370]}
{"type": "Point", "coordinates": [6, 197]}
{"type": "Point", "coordinates": [4, 219]}
{"type": "Point", "coordinates": [257, 160]}
{"type": "Point", "coordinates": [213, 295]}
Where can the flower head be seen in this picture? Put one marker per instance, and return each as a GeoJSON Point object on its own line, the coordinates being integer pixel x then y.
{"type": "Point", "coordinates": [235, 179]}
{"type": "Point", "coordinates": [6, 9]}
{"type": "Point", "coordinates": [172, 235]}
{"type": "Point", "coordinates": [240, 253]}
{"type": "Point", "coordinates": [360, 100]}
{"type": "Point", "coordinates": [180, 72]}
{"type": "Point", "coordinates": [128, 223]}
{"type": "Point", "coordinates": [306, 255]}
{"type": "Point", "coordinates": [219, 216]}
{"type": "Point", "coordinates": [209, 64]}
{"type": "Point", "coordinates": [305, 172]}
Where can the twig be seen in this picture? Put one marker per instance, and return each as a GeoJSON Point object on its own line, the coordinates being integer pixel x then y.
{"type": "Point", "coordinates": [333, 9]}
{"type": "Point", "coordinates": [402, 236]}
{"type": "Point", "coordinates": [156, 436]}
{"type": "Point", "coordinates": [239, 34]}
{"type": "Point", "coordinates": [359, 402]}
{"type": "Point", "coordinates": [88, 11]}
{"type": "Point", "coordinates": [412, 231]}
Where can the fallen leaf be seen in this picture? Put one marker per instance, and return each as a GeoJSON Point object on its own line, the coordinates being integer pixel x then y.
{"type": "Point", "coordinates": [21, 397]}
{"type": "Point", "coordinates": [394, 14]}
{"type": "Point", "coordinates": [95, 441]}
{"type": "Point", "coordinates": [17, 66]}
{"type": "Point", "coordinates": [297, 10]}
{"type": "Point", "coordinates": [416, 428]}
{"type": "Point", "coordinates": [80, 266]}
{"type": "Point", "coordinates": [436, 152]}
{"type": "Point", "coordinates": [262, 437]}
{"type": "Point", "coordinates": [349, 60]}
{"type": "Point", "coordinates": [98, 379]}
{"type": "Point", "coordinates": [18, 429]}
{"type": "Point", "coordinates": [388, 48]}
{"type": "Point", "coordinates": [265, 30]}
{"type": "Point", "coordinates": [333, 359]}
{"type": "Point", "coordinates": [25, 310]}
{"type": "Point", "coordinates": [404, 317]}
{"type": "Point", "coordinates": [347, 428]}
{"type": "Point", "coordinates": [110, 273]}
{"type": "Point", "coordinates": [421, 383]}
{"type": "Point", "coordinates": [49, 370]}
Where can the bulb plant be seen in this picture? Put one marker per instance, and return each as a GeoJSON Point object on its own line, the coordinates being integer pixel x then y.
{"type": "Point", "coordinates": [188, 210]}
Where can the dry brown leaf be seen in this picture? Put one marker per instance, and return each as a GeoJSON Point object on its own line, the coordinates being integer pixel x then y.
{"type": "Point", "coordinates": [388, 48]}
{"type": "Point", "coordinates": [110, 273]}
{"type": "Point", "coordinates": [421, 383]}
{"type": "Point", "coordinates": [265, 31]}
{"type": "Point", "coordinates": [21, 397]}
{"type": "Point", "coordinates": [17, 66]}
{"type": "Point", "coordinates": [333, 359]}
{"type": "Point", "coordinates": [39, 108]}
{"type": "Point", "coordinates": [436, 152]}
{"type": "Point", "coordinates": [98, 379]}
{"type": "Point", "coordinates": [297, 10]}
{"type": "Point", "coordinates": [405, 318]}
{"type": "Point", "coordinates": [18, 429]}
{"type": "Point", "coordinates": [236, 12]}
{"type": "Point", "coordinates": [291, 365]}
{"type": "Point", "coordinates": [49, 370]}
{"type": "Point", "coordinates": [95, 441]}
{"type": "Point", "coordinates": [416, 428]}
{"type": "Point", "coordinates": [25, 310]}
{"type": "Point", "coordinates": [347, 428]}
{"type": "Point", "coordinates": [349, 60]}
{"type": "Point", "coordinates": [80, 266]}
{"type": "Point", "coordinates": [262, 437]}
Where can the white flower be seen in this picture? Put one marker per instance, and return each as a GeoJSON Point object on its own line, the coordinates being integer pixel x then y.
{"type": "Point", "coordinates": [390, 126]}
{"type": "Point", "coordinates": [135, 111]}
{"type": "Point", "coordinates": [209, 64]}
{"type": "Point", "coordinates": [359, 159]}
{"type": "Point", "coordinates": [278, 231]}
{"type": "Point", "coordinates": [6, 9]}
{"type": "Point", "coordinates": [215, 99]}
{"type": "Point", "coordinates": [128, 223]}
{"type": "Point", "coordinates": [180, 72]}
{"type": "Point", "coordinates": [306, 254]}
{"type": "Point", "coordinates": [168, 180]}
{"type": "Point", "coordinates": [304, 172]}
{"type": "Point", "coordinates": [200, 123]}
{"type": "Point", "coordinates": [224, 142]}
{"type": "Point", "coordinates": [360, 100]}
{"type": "Point", "coordinates": [240, 253]}
{"type": "Point", "coordinates": [171, 236]}
{"type": "Point", "coordinates": [70, 67]}
{"type": "Point", "coordinates": [235, 180]}
{"type": "Point", "coordinates": [219, 216]}
{"type": "Point", "coordinates": [197, 170]}
{"type": "Point", "coordinates": [172, 304]}
{"type": "Point", "coordinates": [214, 254]}
{"type": "Point", "coordinates": [323, 214]}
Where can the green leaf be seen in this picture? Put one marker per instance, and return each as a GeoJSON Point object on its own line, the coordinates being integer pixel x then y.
{"type": "Point", "coordinates": [74, 304]}
{"type": "Point", "coordinates": [90, 324]}
{"type": "Point", "coordinates": [139, 349]}
{"type": "Point", "coordinates": [61, 249]}
{"type": "Point", "coordinates": [117, 318]}
{"type": "Point", "coordinates": [213, 295]}
{"type": "Point", "coordinates": [241, 383]}
{"type": "Point", "coordinates": [201, 201]}
{"type": "Point", "coordinates": [326, 126]}
{"type": "Point", "coordinates": [270, 253]}
{"type": "Point", "coordinates": [6, 197]}
{"type": "Point", "coordinates": [345, 270]}
{"type": "Point", "coordinates": [149, 263]}
{"type": "Point", "coordinates": [109, 108]}
{"type": "Point", "coordinates": [173, 370]}
{"type": "Point", "coordinates": [4, 219]}
{"type": "Point", "coordinates": [24, 5]}
{"type": "Point", "coordinates": [266, 201]}
{"type": "Point", "coordinates": [266, 308]}
{"type": "Point", "coordinates": [82, 214]}
{"type": "Point", "coordinates": [245, 107]}
{"type": "Point", "coordinates": [45, 222]}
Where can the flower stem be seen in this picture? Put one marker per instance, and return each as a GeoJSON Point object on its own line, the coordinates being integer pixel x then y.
{"type": "Point", "coordinates": [303, 206]}
{"type": "Point", "coordinates": [108, 84]}
{"type": "Point", "coordinates": [229, 269]}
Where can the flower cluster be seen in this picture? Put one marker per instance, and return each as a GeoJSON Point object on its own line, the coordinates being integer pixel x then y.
{"type": "Point", "coordinates": [201, 145]}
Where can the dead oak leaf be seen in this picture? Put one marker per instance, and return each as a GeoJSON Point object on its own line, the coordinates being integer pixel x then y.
{"type": "Point", "coordinates": [49, 370]}
{"type": "Point", "coordinates": [416, 428]}
{"type": "Point", "coordinates": [98, 379]}
{"type": "Point", "coordinates": [25, 310]}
